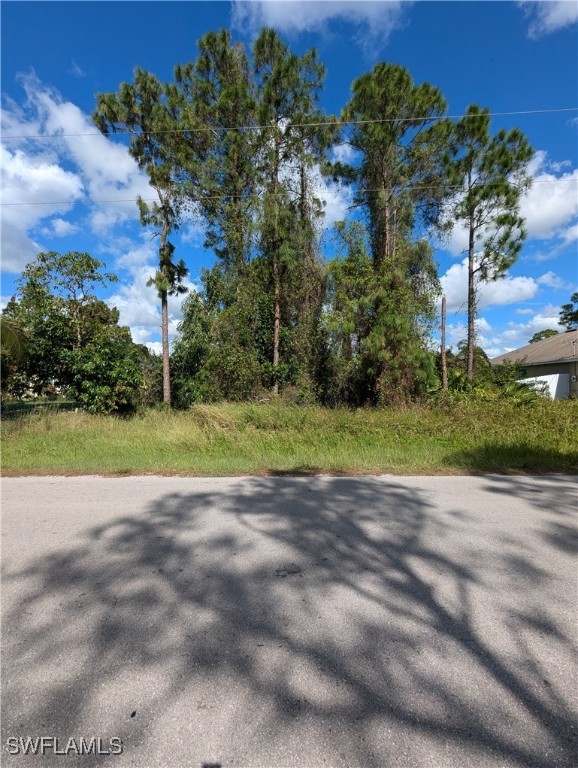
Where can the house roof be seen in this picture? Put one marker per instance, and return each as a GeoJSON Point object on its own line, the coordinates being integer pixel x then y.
{"type": "Point", "coordinates": [555, 349]}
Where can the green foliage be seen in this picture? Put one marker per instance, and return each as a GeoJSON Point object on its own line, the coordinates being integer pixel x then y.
{"type": "Point", "coordinates": [399, 176]}
{"type": "Point", "coordinates": [376, 321]}
{"type": "Point", "coordinates": [491, 383]}
{"type": "Point", "coordinates": [107, 373]}
{"type": "Point", "coordinates": [190, 352]}
{"type": "Point", "coordinates": [569, 313]}
{"type": "Point", "coordinates": [12, 338]}
{"type": "Point", "coordinates": [395, 356]}
{"type": "Point", "coordinates": [399, 187]}
{"type": "Point", "coordinates": [219, 173]}
{"type": "Point", "coordinates": [228, 438]}
{"type": "Point", "coordinates": [74, 343]}
{"type": "Point", "coordinates": [287, 90]}
{"type": "Point", "coordinates": [545, 334]}
{"type": "Point", "coordinates": [351, 283]}
{"type": "Point", "coordinates": [237, 140]}
{"type": "Point", "coordinates": [13, 344]}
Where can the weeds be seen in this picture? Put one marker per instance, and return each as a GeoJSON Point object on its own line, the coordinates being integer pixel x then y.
{"type": "Point", "coordinates": [225, 439]}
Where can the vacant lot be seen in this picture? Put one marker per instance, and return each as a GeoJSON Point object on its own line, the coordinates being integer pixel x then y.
{"type": "Point", "coordinates": [277, 438]}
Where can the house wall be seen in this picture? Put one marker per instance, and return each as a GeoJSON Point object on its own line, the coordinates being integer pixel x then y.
{"type": "Point", "coordinates": [562, 378]}
{"type": "Point", "coordinates": [558, 384]}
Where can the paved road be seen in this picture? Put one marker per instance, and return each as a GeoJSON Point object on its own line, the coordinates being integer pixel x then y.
{"type": "Point", "coordinates": [387, 622]}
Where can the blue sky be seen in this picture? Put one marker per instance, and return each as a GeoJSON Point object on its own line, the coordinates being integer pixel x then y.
{"type": "Point", "coordinates": [508, 56]}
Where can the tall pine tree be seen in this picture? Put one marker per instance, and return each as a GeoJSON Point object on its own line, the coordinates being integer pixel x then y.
{"type": "Point", "coordinates": [394, 128]}
{"type": "Point", "coordinates": [287, 90]}
{"type": "Point", "coordinates": [490, 175]}
{"type": "Point", "coordinates": [140, 108]}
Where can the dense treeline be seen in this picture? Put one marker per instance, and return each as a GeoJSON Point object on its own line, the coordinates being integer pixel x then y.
{"type": "Point", "coordinates": [240, 141]}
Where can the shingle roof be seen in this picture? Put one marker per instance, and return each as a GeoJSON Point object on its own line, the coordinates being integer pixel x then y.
{"type": "Point", "coordinates": [562, 347]}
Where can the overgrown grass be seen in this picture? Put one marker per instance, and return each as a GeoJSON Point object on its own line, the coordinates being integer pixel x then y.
{"type": "Point", "coordinates": [231, 439]}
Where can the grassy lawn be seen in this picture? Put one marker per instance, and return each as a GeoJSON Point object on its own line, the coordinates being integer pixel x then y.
{"type": "Point", "coordinates": [230, 439]}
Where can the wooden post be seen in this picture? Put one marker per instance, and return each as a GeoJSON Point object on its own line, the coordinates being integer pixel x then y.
{"type": "Point", "coordinates": [443, 346]}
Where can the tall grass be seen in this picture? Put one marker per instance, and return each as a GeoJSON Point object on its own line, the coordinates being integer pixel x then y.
{"type": "Point", "coordinates": [229, 439]}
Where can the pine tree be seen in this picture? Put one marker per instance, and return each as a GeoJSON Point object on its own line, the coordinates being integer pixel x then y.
{"type": "Point", "coordinates": [400, 186]}
{"type": "Point", "coordinates": [141, 109]}
{"type": "Point", "coordinates": [490, 172]}
{"type": "Point", "coordinates": [401, 147]}
{"type": "Point", "coordinates": [219, 169]}
{"type": "Point", "coordinates": [569, 313]}
{"type": "Point", "coordinates": [287, 89]}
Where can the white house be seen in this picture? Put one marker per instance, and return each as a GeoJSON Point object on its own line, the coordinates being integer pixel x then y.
{"type": "Point", "coordinates": [553, 361]}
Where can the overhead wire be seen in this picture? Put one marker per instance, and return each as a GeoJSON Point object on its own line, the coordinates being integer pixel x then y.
{"type": "Point", "coordinates": [291, 125]}
{"type": "Point", "coordinates": [400, 188]}
{"type": "Point", "coordinates": [297, 125]}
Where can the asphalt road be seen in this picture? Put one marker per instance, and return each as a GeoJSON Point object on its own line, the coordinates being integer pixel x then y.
{"type": "Point", "coordinates": [284, 622]}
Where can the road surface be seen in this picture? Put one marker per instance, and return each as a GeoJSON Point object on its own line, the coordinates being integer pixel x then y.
{"type": "Point", "coordinates": [418, 622]}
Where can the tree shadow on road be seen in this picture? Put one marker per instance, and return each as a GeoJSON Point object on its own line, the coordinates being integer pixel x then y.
{"type": "Point", "coordinates": [347, 611]}
{"type": "Point", "coordinates": [513, 459]}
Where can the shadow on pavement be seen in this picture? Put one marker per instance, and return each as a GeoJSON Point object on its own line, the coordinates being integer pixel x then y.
{"type": "Point", "coordinates": [514, 459]}
{"type": "Point", "coordinates": [346, 612]}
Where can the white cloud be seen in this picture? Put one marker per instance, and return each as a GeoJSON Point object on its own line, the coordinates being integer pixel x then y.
{"type": "Point", "coordinates": [569, 235]}
{"type": "Point", "coordinates": [63, 228]}
{"type": "Point", "coordinates": [549, 15]}
{"type": "Point", "coordinates": [76, 70]}
{"type": "Point", "coordinates": [375, 20]}
{"type": "Point", "coordinates": [496, 342]}
{"type": "Point", "coordinates": [524, 311]}
{"type": "Point", "coordinates": [552, 280]}
{"type": "Point", "coordinates": [193, 233]}
{"type": "Point", "coordinates": [45, 188]}
{"type": "Point", "coordinates": [517, 335]}
{"type": "Point", "coordinates": [336, 198]}
{"type": "Point", "coordinates": [51, 174]}
{"type": "Point", "coordinates": [482, 325]}
{"type": "Point", "coordinates": [506, 290]}
{"type": "Point", "coordinates": [154, 346]}
{"type": "Point", "coordinates": [34, 170]}
{"type": "Point", "coordinates": [344, 153]}
{"type": "Point", "coordinates": [108, 171]}
{"type": "Point", "coordinates": [457, 240]}
{"type": "Point", "coordinates": [552, 202]}
{"type": "Point", "coordinates": [457, 332]}
{"type": "Point", "coordinates": [63, 169]}
{"type": "Point", "coordinates": [139, 304]}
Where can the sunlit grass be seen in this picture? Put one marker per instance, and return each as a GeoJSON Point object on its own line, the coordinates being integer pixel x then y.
{"type": "Point", "coordinates": [229, 439]}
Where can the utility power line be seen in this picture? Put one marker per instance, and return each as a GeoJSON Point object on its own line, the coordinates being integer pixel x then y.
{"type": "Point", "coordinates": [298, 125]}
{"type": "Point", "coordinates": [258, 196]}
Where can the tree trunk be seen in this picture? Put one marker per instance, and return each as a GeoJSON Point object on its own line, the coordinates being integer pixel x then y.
{"type": "Point", "coordinates": [165, 324]}
{"type": "Point", "coordinates": [276, 325]}
{"type": "Point", "coordinates": [78, 343]}
{"type": "Point", "coordinates": [443, 347]}
{"type": "Point", "coordinates": [276, 274]}
{"type": "Point", "coordinates": [471, 303]}
{"type": "Point", "coordinates": [165, 344]}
